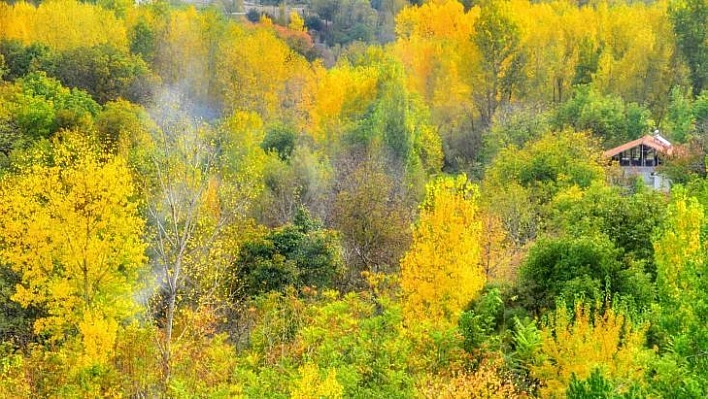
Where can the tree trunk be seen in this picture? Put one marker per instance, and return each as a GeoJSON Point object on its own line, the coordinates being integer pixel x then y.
{"type": "Point", "coordinates": [167, 346]}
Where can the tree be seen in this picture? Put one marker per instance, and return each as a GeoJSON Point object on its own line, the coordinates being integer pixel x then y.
{"type": "Point", "coordinates": [489, 380]}
{"type": "Point", "coordinates": [535, 174]}
{"type": "Point", "coordinates": [257, 72]}
{"type": "Point", "coordinates": [571, 267]}
{"type": "Point", "coordinates": [203, 181]}
{"type": "Point", "coordinates": [497, 249]}
{"type": "Point", "coordinates": [513, 127]}
{"type": "Point", "coordinates": [303, 255]}
{"type": "Point", "coordinates": [402, 122]}
{"type": "Point", "coordinates": [122, 123]}
{"type": "Point", "coordinates": [681, 286]}
{"type": "Point", "coordinates": [106, 72]}
{"type": "Point", "coordinates": [597, 386]}
{"type": "Point", "coordinates": [185, 165]}
{"type": "Point", "coordinates": [440, 273]}
{"type": "Point", "coordinates": [680, 121]}
{"type": "Point", "coordinates": [497, 36]}
{"type": "Point", "coordinates": [21, 60]}
{"type": "Point", "coordinates": [281, 140]}
{"type": "Point", "coordinates": [573, 344]}
{"type": "Point", "coordinates": [143, 41]}
{"type": "Point", "coordinates": [63, 25]}
{"type": "Point", "coordinates": [555, 161]}
{"type": "Point", "coordinates": [387, 11]}
{"type": "Point", "coordinates": [689, 18]}
{"type": "Point", "coordinates": [700, 112]}
{"type": "Point", "coordinates": [16, 321]}
{"type": "Point", "coordinates": [372, 216]}
{"type": "Point", "coordinates": [596, 210]}
{"type": "Point", "coordinates": [39, 106]}
{"type": "Point", "coordinates": [304, 179]}
{"type": "Point", "coordinates": [74, 208]}
{"type": "Point", "coordinates": [311, 386]}
{"type": "Point", "coordinates": [443, 67]}
{"type": "Point", "coordinates": [356, 337]}
{"type": "Point", "coordinates": [607, 117]}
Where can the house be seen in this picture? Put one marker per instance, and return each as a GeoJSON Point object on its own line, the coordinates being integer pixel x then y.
{"type": "Point", "coordinates": [641, 157]}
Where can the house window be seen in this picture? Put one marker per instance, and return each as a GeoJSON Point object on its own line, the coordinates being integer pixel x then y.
{"type": "Point", "coordinates": [636, 156]}
{"type": "Point", "coordinates": [624, 158]}
{"type": "Point", "coordinates": [649, 156]}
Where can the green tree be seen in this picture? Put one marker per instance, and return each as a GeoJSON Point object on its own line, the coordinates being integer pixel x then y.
{"type": "Point", "coordinates": [40, 106]}
{"type": "Point", "coordinates": [301, 255]}
{"type": "Point", "coordinates": [588, 60]}
{"type": "Point", "coordinates": [21, 60]}
{"type": "Point", "coordinates": [584, 267]}
{"type": "Point", "coordinates": [105, 72]}
{"type": "Point", "coordinates": [682, 285]}
{"type": "Point", "coordinates": [608, 117]}
{"type": "Point", "coordinates": [534, 175]}
{"type": "Point", "coordinates": [355, 343]}
{"type": "Point", "coordinates": [700, 113]}
{"type": "Point", "coordinates": [679, 122]}
{"type": "Point", "coordinates": [598, 209]}
{"type": "Point", "coordinates": [596, 386]}
{"type": "Point", "coordinates": [123, 123]}
{"type": "Point", "coordinates": [143, 41]}
{"type": "Point", "coordinates": [346, 21]}
{"type": "Point", "coordinates": [281, 139]}
{"type": "Point", "coordinates": [689, 18]}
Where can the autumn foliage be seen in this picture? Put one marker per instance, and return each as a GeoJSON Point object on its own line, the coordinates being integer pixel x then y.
{"type": "Point", "coordinates": [352, 199]}
{"type": "Point", "coordinates": [440, 273]}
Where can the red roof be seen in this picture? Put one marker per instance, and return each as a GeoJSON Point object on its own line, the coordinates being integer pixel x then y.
{"type": "Point", "coordinates": [659, 144]}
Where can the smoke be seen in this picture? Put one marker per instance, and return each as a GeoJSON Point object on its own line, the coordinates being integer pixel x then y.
{"type": "Point", "coordinates": [174, 104]}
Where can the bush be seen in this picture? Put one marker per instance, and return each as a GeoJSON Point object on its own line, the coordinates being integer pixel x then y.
{"type": "Point", "coordinates": [253, 15]}
{"type": "Point", "coordinates": [302, 254]}
{"type": "Point", "coordinates": [571, 267]}
{"type": "Point", "coordinates": [313, 22]}
{"type": "Point", "coordinates": [281, 139]}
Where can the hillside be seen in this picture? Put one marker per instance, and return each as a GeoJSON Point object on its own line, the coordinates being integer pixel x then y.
{"type": "Point", "coordinates": [354, 199]}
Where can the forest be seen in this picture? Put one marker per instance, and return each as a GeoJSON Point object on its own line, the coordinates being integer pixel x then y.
{"type": "Point", "coordinates": [351, 199]}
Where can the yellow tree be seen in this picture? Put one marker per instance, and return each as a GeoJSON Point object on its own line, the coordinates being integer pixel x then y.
{"type": "Point", "coordinates": [440, 60]}
{"type": "Point", "coordinates": [489, 381]}
{"type": "Point", "coordinates": [258, 72]}
{"type": "Point", "coordinates": [62, 25]}
{"type": "Point", "coordinates": [434, 45]}
{"type": "Point", "coordinates": [187, 54]}
{"type": "Point", "coordinates": [311, 385]}
{"type": "Point", "coordinates": [497, 36]}
{"type": "Point", "coordinates": [578, 344]}
{"type": "Point", "coordinates": [69, 228]}
{"type": "Point", "coordinates": [553, 34]}
{"type": "Point", "coordinates": [342, 94]}
{"type": "Point", "coordinates": [680, 250]}
{"type": "Point", "coordinates": [297, 23]}
{"type": "Point", "coordinates": [638, 61]}
{"type": "Point", "coordinates": [680, 254]}
{"type": "Point", "coordinates": [497, 249]}
{"type": "Point", "coordinates": [440, 274]}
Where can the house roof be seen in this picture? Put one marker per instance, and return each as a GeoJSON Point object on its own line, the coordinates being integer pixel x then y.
{"type": "Point", "coordinates": [658, 143]}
